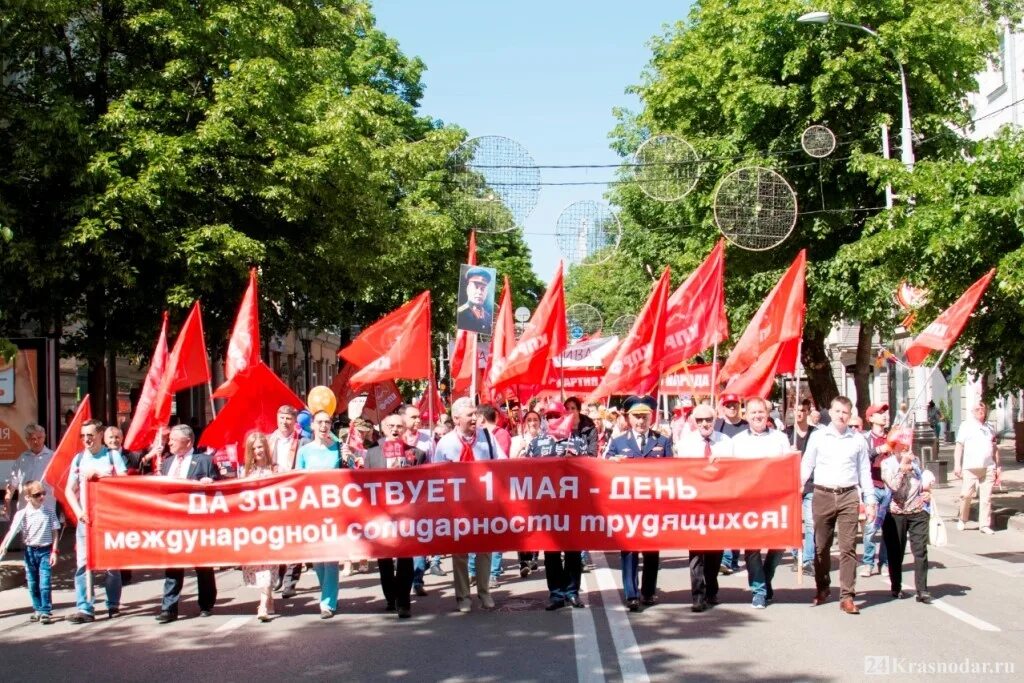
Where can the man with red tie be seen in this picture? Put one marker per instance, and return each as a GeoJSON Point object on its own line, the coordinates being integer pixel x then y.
{"type": "Point", "coordinates": [707, 444]}
{"type": "Point", "coordinates": [640, 442]}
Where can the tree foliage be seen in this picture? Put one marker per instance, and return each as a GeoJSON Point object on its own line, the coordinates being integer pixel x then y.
{"type": "Point", "coordinates": [154, 149]}
{"type": "Point", "coordinates": [740, 80]}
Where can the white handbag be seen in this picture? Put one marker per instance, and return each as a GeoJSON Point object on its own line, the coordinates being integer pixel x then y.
{"type": "Point", "coordinates": [936, 528]}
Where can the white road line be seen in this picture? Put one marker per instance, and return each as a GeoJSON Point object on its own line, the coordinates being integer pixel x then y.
{"type": "Point", "coordinates": [232, 624]}
{"type": "Point", "coordinates": [964, 616]}
{"type": "Point", "coordinates": [588, 656]}
{"type": "Point", "coordinates": [631, 663]}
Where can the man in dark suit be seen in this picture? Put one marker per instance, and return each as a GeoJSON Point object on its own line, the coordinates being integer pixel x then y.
{"type": "Point", "coordinates": [639, 442]}
{"type": "Point", "coordinates": [393, 452]}
{"type": "Point", "coordinates": [186, 463]}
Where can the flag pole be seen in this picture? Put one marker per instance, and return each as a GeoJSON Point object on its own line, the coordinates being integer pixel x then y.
{"type": "Point", "coordinates": [796, 390]}
{"type": "Point", "coordinates": [714, 377]}
{"type": "Point", "coordinates": [922, 390]}
{"type": "Point", "coordinates": [474, 361]}
{"type": "Point", "coordinates": [209, 393]}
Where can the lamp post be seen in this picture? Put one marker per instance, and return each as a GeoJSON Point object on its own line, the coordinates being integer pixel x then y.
{"type": "Point", "coordinates": [306, 337]}
{"type": "Point", "coordinates": [921, 375]}
{"type": "Point", "coordinates": [907, 153]}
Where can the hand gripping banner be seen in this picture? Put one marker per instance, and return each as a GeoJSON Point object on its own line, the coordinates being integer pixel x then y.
{"type": "Point", "coordinates": [556, 503]}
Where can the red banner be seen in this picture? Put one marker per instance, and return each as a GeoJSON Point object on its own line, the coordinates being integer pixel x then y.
{"type": "Point", "coordinates": [643, 504]}
{"type": "Point", "coordinates": [694, 379]}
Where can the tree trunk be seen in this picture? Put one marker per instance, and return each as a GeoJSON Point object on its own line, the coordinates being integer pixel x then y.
{"type": "Point", "coordinates": [96, 337]}
{"type": "Point", "coordinates": [819, 370]}
{"type": "Point", "coordinates": [112, 388]}
{"type": "Point", "coordinates": [862, 370]}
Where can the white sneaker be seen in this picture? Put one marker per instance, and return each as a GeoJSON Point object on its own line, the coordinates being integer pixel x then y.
{"type": "Point", "coordinates": [463, 605]}
{"type": "Point", "coordinates": [959, 525]}
{"type": "Point", "coordinates": [487, 601]}
{"type": "Point", "coordinates": [987, 530]}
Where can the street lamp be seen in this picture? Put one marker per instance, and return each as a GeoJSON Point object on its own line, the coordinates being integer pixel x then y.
{"type": "Point", "coordinates": [306, 337]}
{"type": "Point", "coordinates": [907, 153]}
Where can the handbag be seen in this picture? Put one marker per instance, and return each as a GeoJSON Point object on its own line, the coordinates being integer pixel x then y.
{"type": "Point", "coordinates": [936, 528]}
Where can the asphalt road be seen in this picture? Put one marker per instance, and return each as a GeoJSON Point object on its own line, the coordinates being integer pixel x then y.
{"type": "Point", "coordinates": [976, 622]}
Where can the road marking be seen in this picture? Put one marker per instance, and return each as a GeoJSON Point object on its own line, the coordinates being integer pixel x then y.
{"type": "Point", "coordinates": [584, 637]}
{"type": "Point", "coordinates": [232, 624]}
{"type": "Point", "coordinates": [964, 616]}
{"type": "Point", "coordinates": [631, 663]}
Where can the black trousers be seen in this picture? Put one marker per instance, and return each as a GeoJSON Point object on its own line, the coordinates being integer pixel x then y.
{"type": "Point", "coordinates": [704, 574]}
{"type": "Point", "coordinates": [174, 579]}
{"type": "Point", "coordinates": [896, 529]}
{"type": "Point", "coordinates": [526, 558]}
{"type": "Point", "coordinates": [563, 576]}
{"type": "Point", "coordinates": [289, 575]}
{"type": "Point", "coordinates": [396, 580]}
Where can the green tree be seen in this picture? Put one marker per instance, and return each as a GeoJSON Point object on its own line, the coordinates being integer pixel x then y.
{"type": "Point", "coordinates": [740, 80]}
{"type": "Point", "coordinates": [155, 149]}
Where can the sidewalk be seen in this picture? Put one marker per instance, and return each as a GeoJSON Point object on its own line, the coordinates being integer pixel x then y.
{"type": "Point", "coordinates": [1007, 502]}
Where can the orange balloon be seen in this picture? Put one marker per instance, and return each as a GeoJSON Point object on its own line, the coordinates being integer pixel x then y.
{"type": "Point", "coordinates": [321, 398]}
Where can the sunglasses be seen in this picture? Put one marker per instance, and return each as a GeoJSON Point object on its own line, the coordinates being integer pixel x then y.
{"type": "Point", "coordinates": [703, 420]}
{"type": "Point", "coordinates": [41, 494]}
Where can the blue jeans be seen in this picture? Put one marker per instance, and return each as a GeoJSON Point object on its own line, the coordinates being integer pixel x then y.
{"type": "Point", "coordinates": [731, 559]}
{"type": "Point", "coordinates": [112, 581]}
{"type": "Point", "coordinates": [761, 571]}
{"type": "Point", "coordinates": [882, 497]}
{"type": "Point", "coordinates": [495, 564]}
{"type": "Point", "coordinates": [420, 565]}
{"type": "Point", "coordinates": [37, 573]}
{"type": "Point", "coordinates": [633, 586]}
{"type": "Point", "coordinates": [808, 523]}
{"type": "Point", "coordinates": [327, 575]}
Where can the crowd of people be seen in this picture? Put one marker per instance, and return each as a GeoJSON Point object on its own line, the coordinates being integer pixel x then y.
{"type": "Point", "coordinates": [844, 470]}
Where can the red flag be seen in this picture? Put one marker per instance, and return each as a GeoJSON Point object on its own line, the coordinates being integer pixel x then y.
{"type": "Point", "coordinates": [431, 408]}
{"type": "Point", "coordinates": [943, 333]}
{"type": "Point", "coordinates": [759, 379]}
{"type": "Point", "coordinates": [460, 370]}
{"type": "Point", "coordinates": [637, 365]}
{"type": "Point", "coordinates": [376, 339]}
{"type": "Point", "coordinates": [187, 364]}
{"type": "Point", "coordinates": [144, 422]}
{"type": "Point", "coordinates": [529, 361]}
{"type": "Point", "coordinates": [504, 335]}
{"type": "Point", "coordinates": [57, 471]}
{"type": "Point", "coordinates": [381, 401]}
{"type": "Point", "coordinates": [340, 386]}
{"type": "Point", "coordinates": [695, 314]}
{"type": "Point", "coordinates": [244, 344]}
{"type": "Point", "coordinates": [252, 407]}
{"type": "Point", "coordinates": [408, 356]}
{"type": "Point", "coordinates": [779, 319]}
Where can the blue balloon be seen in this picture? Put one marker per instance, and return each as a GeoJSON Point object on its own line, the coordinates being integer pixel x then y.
{"type": "Point", "coordinates": [305, 420]}
{"type": "Point", "coordinates": [306, 434]}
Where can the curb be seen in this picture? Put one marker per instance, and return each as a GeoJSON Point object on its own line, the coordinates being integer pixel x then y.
{"type": "Point", "coordinates": [1015, 522]}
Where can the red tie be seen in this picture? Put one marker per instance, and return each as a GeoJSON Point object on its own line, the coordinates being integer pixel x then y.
{"type": "Point", "coordinates": [707, 447]}
{"type": "Point", "coordinates": [467, 450]}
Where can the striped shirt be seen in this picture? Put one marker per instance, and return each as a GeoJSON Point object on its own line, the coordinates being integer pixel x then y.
{"type": "Point", "coordinates": [35, 524]}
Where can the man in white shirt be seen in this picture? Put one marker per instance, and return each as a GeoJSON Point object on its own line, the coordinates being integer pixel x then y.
{"type": "Point", "coordinates": [837, 457]}
{"type": "Point", "coordinates": [467, 443]}
{"type": "Point", "coordinates": [284, 443]}
{"type": "Point", "coordinates": [759, 441]}
{"type": "Point", "coordinates": [707, 444]}
{"type": "Point", "coordinates": [976, 461]}
{"type": "Point", "coordinates": [30, 466]}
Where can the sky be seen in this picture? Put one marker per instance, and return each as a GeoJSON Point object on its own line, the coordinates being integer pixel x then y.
{"type": "Point", "coordinates": [545, 74]}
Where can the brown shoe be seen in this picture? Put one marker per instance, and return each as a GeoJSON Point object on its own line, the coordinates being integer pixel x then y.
{"type": "Point", "coordinates": [846, 604]}
{"type": "Point", "coordinates": [820, 598]}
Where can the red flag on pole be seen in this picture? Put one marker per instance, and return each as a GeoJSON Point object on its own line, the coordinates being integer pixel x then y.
{"type": "Point", "coordinates": [57, 471]}
{"type": "Point", "coordinates": [430, 409]}
{"type": "Point", "coordinates": [187, 364]}
{"type": "Point", "coordinates": [779, 319]}
{"type": "Point", "coordinates": [408, 355]}
{"type": "Point", "coordinates": [376, 339]}
{"type": "Point", "coordinates": [759, 378]}
{"type": "Point", "coordinates": [695, 314]}
{"type": "Point", "coordinates": [944, 331]}
{"type": "Point", "coordinates": [529, 361]}
{"type": "Point", "coordinates": [637, 365]}
{"type": "Point", "coordinates": [504, 335]}
{"type": "Point", "coordinates": [253, 406]}
{"type": "Point", "coordinates": [244, 344]}
{"type": "Point", "coordinates": [340, 386]}
{"type": "Point", "coordinates": [144, 423]}
{"type": "Point", "coordinates": [381, 401]}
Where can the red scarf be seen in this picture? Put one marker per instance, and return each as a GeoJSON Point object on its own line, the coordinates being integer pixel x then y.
{"type": "Point", "coordinates": [467, 449]}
